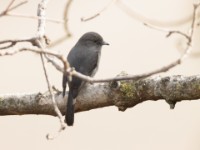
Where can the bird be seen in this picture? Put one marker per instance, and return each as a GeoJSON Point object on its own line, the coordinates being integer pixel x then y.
{"type": "Point", "coordinates": [84, 57]}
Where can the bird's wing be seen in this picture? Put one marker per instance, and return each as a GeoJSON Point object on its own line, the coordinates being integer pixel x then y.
{"type": "Point", "coordinates": [90, 64]}
{"type": "Point", "coordinates": [84, 60]}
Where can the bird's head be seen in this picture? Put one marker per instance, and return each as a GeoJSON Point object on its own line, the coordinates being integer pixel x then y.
{"type": "Point", "coordinates": [92, 38]}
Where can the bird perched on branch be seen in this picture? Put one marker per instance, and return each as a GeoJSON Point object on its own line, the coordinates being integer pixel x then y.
{"type": "Point", "coordinates": [84, 57]}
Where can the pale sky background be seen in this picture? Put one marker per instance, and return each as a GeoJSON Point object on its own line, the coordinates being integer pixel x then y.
{"type": "Point", "coordinates": [133, 48]}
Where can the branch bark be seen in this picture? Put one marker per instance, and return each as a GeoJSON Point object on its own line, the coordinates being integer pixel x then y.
{"type": "Point", "coordinates": [124, 94]}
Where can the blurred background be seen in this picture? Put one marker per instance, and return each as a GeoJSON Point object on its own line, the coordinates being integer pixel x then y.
{"type": "Point", "coordinates": [134, 48]}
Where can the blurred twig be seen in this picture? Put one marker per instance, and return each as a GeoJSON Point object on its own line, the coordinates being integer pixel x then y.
{"type": "Point", "coordinates": [9, 5]}
{"type": "Point", "coordinates": [84, 19]}
{"type": "Point", "coordinates": [7, 12]}
{"type": "Point", "coordinates": [68, 34]}
{"type": "Point", "coordinates": [9, 8]}
{"type": "Point", "coordinates": [59, 21]}
{"type": "Point", "coordinates": [65, 17]}
{"type": "Point", "coordinates": [139, 17]}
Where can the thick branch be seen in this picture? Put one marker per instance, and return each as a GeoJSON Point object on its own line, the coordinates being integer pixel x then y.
{"type": "Point", "coordinates": [124, 95]}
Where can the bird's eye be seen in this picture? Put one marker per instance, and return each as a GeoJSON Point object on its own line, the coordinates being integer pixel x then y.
{"type": "Point", "coordinates": [97, 42]}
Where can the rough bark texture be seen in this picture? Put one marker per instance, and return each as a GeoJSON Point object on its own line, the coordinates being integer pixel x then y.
{"type": "Point", "coordinates": [123, 94]}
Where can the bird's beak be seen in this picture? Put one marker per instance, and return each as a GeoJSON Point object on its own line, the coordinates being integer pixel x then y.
{"type": "Point", "coordinates": [105, 43]}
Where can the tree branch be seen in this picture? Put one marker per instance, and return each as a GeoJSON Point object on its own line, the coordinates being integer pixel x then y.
{"type": "Point", "coordinates": [124, 95]}
{"type": "Point", "coordinates": [125, 7]}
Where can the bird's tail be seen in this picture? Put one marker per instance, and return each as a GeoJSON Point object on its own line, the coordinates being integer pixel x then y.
{"type": "Point", "coordinates": [69, 116]}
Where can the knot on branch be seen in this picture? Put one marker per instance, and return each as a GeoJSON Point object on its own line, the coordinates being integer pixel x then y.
{"type": "Point", "coordinates": [129, 95]}
{"type": "Point", "coordinates": [41, 99]}
{"type": "Point", "coordinates": [125, 92]}
{"type": "Point", "coordinates": [171, 103]}
{"type": "Point", "coordinates": [115, 85]}
{"type": "Point", "coordinates": [171, 89]}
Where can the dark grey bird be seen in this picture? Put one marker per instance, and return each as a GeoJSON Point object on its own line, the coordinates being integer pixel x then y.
{"type": "Point", "coordinates": [84, 57]}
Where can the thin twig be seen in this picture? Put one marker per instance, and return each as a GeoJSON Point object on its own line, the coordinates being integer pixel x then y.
{"type": "Point", "coordinates": [39, 51]}
{"type": "Point", "coordinates": [68, 33]}
{"type": "Point", "coordinates": [84, 19]}
{"type": "Point", "coordinates": [9, 5]}
{"type": "Point", "coordinates": [57, 41]}
{"type": "Point", "coordinates": [12, 8]}
{"type": "Point", "coordinates": [34, 17]}
{"type": "Point", "coordinates": [139, 17]}
{"type": "Point", "coordinates": [65, 25]}
{"type": "Point", "coordinates": [168, 31]}
{"type": "Point", "coordinates": [41, 33]}
{"type": "Point", "coordinates": [9, 8]}
{"type": "Point", "coordinates": [191, 31]}
{"type": "Point", "coordinates": [12, 43]}
{"type": "Point", "coordinates": [65, 17]}
{"type": "Point", "coordinates": [63, 125]}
